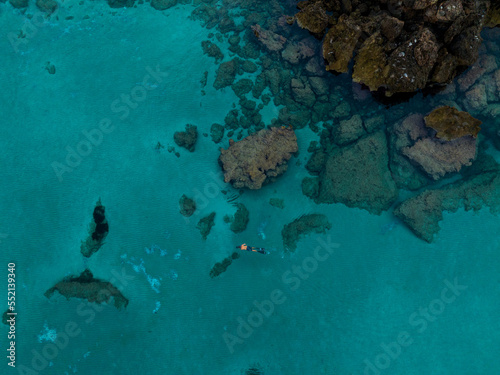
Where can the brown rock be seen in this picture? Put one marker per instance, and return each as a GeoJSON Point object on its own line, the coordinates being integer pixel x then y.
{"type": "Point", "coordinates": [313, 18]}
{"type": "Point", "coordinates": [339, 44]}
{"type": "Point", "coordinates": [438, 158]}
{"type": "Point", "coordinates": [450, 123]}
{"type": "Point", "coordinates": [258, 158]}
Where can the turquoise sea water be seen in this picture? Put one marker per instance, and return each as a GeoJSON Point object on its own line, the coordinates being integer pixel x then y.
{"type": "Point", "coordinates": [380, 303]}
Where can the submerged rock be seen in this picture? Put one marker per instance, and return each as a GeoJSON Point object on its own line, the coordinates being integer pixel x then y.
{"type": "Point", "coordinates": [98, 230]}
{"type": "Point", "coordinates": [258, 158]}
{"type": "Point", "coordinates": [221, 267]}
{"type": "Point", "coordinates": [205, 225]}
{"type": "Point", "coordinates": [306, 224]}
{"type": "Point", "coordinates": [188, 206]}
{"type": "Point", "coordinates": [357, 175]}
{"type": "Point", "coordinates": [187, 138]}
{"type": "Point", "coordinates": [88, 288]}
{"type": "Point", "coordinates": [423, 212]}
{"type": "Point", "coordinates": [226, 74]}
{"type": "Point", "coordinates": [450, 123]}
{"type": "Point", "coordinates": [240, 221]}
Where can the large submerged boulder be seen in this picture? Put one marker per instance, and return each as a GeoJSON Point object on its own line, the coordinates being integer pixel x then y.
{"type": "Point", "coordinates": [258, 158]}
{"type": "Point", "coordinates": [423, 212]}
{"type": "Point", "coordinates": [86, 287]}
{"type": "Point", "coordinates": [356, 175]}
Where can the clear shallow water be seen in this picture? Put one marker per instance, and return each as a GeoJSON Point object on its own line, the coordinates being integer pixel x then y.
{"type": "Point", "coordinates": [362, 297]}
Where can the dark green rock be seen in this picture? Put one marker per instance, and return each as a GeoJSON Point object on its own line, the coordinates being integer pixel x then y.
{"type": "Point", "coordinates": [187, 138]}
{"type": "Point", "coordinates": [240, 221]}
{"type": "Point", "coordinates": [217, 132]}
{"type": "Point", "coordinates": [312, 223]}
{"type": "Point", "coordinates": [212, 50]}
{"type": "Point", "coordinates": [221, 267]}
{"type": "Point", "coordinates": [188, 206]}
{"type": "Point", "coordinates": [205, 225]}
{"type": "Point", "coordinates": [277, 202]}
{"type": "Point", "coordinates": [98, 230]}
{"type": "Point", "coordinates": [226, 74]}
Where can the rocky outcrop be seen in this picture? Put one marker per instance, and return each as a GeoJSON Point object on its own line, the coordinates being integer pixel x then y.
{"type": "Point", "coordinates": [450, 123]}
{"type": "Point", "coordinates": [89, 288]}
{"type": "Point", "coordinates": [306, 224]}
{"type": "Point", "coordinates": [258, 158]}
{"type": "Point", "coordinates": [400, 46]}
{"type": "Point", "coordinates": [98, 230]}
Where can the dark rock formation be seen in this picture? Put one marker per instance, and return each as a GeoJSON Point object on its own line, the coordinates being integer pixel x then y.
{"type": "Point", "coordinates": [356, 175]}
{"type": "Point", "coordinates": [205, 225]}
{"type": "Point", "coordinates": [48, 6]}
{"type": "Point", "coordinates": [187, 138]}
{"type": "Point", "coordinates": [312, 223]}
{"type": "Point", "coordinates": [400, 46]}
{"type": "Point", "coordinates": [240, 221]}
{"type": "Point", "coordinates": [217, 132]}
{"type": "Point", "coordinates": [5, 317]}
{"type": "Point", "coordinates": [212, 50]}
{"type": "Point", "coordinates": [277, 202]}
{"type": "Point", "coordinates": [258, 158]}
{"type": "Point", "coordinates": [121, 3]}
{"type": "Point", "coordinates": [226, 74]}
{"type": "Point", "coordinates": [221, 267]}
{"type": "Point", "coordinates": [98, 230]}
{"type": "Point", "coordinates": [19, 3]}
{"type": "Point", "coordinates": [423, 212]}
{"type": "Point", "coordinates": [87, 287]}
{"type": "Point", "coordinates": [188, 206]}
{"type": "Point", "coordinates": [163, 4]}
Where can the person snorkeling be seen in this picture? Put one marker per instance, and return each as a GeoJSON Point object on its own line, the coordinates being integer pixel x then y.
{"type": "Point", "coordinates": [252, 248]}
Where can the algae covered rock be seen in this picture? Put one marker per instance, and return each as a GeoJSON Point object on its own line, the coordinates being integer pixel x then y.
{"type": "Point", "coordinates": [205, 225]}
{"type": "Point", "coordinates": [240, 221]}
{"type": "Point", "coordinates": [188, 206]}
{"type": "Point", "coordinates": [221, 267]}
{"type": "Point", "coordinates": [98, 230]}
{"type": "Point", "coordinates": [450, 123]}
{"type": "Point", "coordinates": [86, 287]}
{"type": "Point", "coordinates": [277, 202]}
{"type": "Point", "coordinates": [422, 213]}
{"type": "Point", "coordinates": [358, 176]}
{"type": "Point", "coordinates": [187, 138]}
{"type": "Point", "coordinates": [339, 44]}
{"type": "Point", "coordinates": [306, 224]}
{"type": "Point", "coordinates": [313, 17]}
{"type": "Point", "coordinates": [48, 6]}
{"type": "Point", "coordinates": [226, 74]}
{"type": "Point", "coordinates": [212, 50]}
{"type": "Point", "coordinates": [217, 132]}
{"type": "Point", "coordinates": [258, 158]}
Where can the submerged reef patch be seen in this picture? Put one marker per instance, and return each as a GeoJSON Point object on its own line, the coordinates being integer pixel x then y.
{"type": "Point", "coordinates": [85, 286]}
{"type": "Point", "coordinates": [221, 267]}
{"type": "Point", "coordinates": [98, 230]}
{"type": "Point", "coordinates": [311, 223]}
{"type": "Point", "coordinates": [205, 225]}
{"type": "Point", "coordinates": [187, 138]}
